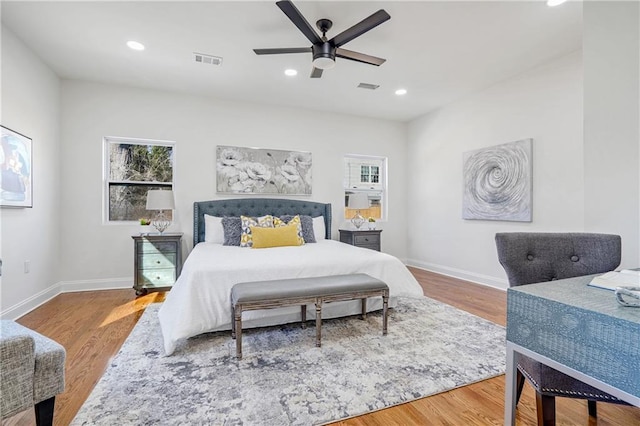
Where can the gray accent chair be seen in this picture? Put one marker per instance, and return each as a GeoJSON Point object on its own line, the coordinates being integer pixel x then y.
{"type": "Point", "coordinates": [31, 372]}
{"type": "Point", "coordinates": [529, 257]}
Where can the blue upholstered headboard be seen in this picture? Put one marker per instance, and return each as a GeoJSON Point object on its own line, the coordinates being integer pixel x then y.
{"type": "Point", "coordinates": [257, 207]}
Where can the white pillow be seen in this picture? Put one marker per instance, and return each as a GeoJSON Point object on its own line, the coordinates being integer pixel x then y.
{"type": "Point", "coordinates": [213, 231]}
{"type": "Point", "coordinates": [318, 228]}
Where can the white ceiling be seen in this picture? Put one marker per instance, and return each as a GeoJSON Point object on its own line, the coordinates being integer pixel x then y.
{"type": "Point", "coordinates": [438, 51]}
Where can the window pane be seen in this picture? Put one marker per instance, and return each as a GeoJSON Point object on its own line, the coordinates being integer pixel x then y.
{"type": "Point", "coordinates": [128, 202]}
{"type": "Point", "coordinates": [364, 173]}
{"type": "Point", "coordinates": [141, 163]}
{"type": "Point", "coordinates": [375, 174]}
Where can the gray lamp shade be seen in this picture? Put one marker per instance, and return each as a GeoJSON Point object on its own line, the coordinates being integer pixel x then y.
{"type": "Point", "coordinates": [358, 201]}
{"type": "Point", "coordinates": [158, 199]}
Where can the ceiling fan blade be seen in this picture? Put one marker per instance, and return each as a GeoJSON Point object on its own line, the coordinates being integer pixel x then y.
{"type": "Point", "coordinates": [316, 73]}
{"type": "Point", "coordinates": [359, 57]}
{"type": "Point", "coordinates": [299, 21]}
{"type": "Point", "coordinates": [360, 28]}
{"type": "Point", "coordinates": [277, 51]}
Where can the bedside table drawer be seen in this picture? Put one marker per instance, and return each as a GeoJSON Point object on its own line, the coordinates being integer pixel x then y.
{"type": "Point", "coordinates": [156, 261]}
{"type": "Point", "coordinates": [156, 277]}
{"type": "Point", "coordinates": [157, 247]}
{"type": "Point", "coordinates": [367, 238]}
{"type": "Point", "coordinates": [363, 240]}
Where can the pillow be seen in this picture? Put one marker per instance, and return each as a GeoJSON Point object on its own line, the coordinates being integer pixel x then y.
{"type": "Point", "coordinates": [295, 220]}
{"type": "Point", "coordinates": [248, 222]}
{"type": "Point", "coordinates": [213, 229]}
{"type": "Point", "coordinates": [307, 226]}
{"type": "Point", "coordinates": [318, 228]}
{"type": "Point", "coordinates": [232, 230]}
{"type": "Point", "coordinates": [281, 236]}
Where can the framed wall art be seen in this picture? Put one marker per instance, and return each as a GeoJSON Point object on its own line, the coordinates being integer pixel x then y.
{"type": "Point", "coordinates": [498, 182]}
{"type": "Point", "coordinates": [262, 171]}
{"type": "Point", "coordinates": [16, 169]}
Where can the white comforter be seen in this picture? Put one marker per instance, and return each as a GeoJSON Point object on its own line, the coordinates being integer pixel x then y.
{"type": "Point", "coordinates": [199, 300]}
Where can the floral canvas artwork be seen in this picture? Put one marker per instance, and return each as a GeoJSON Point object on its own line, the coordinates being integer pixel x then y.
{"type": "Point", "coordinates": [262, 171]}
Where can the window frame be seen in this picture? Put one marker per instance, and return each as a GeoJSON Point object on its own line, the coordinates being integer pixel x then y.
{"type": "Point", "coordinates": [382, 163]}
{"type": "Point", "coordinates": [106, 182]}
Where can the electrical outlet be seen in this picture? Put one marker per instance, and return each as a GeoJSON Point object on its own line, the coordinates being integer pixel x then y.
{"type": "Point", "coordinates": [27, 266]}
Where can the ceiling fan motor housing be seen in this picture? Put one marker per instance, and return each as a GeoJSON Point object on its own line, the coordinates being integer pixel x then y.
{"type": "Point", "coordinates": [324, 50]}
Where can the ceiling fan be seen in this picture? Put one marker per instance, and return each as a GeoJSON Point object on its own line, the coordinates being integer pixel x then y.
{"type": "Point", "coordinates": [325, 51]}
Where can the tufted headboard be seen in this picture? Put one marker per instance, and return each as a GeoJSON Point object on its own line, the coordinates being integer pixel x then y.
{"type": "Point", "coordinates": [257, 207]}
{"type": "Point", "coordinates": [532, 257]}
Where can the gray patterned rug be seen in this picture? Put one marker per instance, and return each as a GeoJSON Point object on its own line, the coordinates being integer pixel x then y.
{"type": "Point", "coordinates": [283, 379]}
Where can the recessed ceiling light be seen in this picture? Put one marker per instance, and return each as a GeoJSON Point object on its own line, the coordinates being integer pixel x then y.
{"type": "Point", "coordinates": [401, 92]}
{"type": "Point", "coordinates": [135, 45]}
{"type": "Point", "coordinates": [290, 72]}
{"type": "Point", "coordinates": [552, 3]}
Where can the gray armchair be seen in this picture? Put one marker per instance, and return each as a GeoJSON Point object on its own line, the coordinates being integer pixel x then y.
{"type": "Point", "coordinates": [31, 372]}
{"type": "Point", "coordinates": [536, 257]}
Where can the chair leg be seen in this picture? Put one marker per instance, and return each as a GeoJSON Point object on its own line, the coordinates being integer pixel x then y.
{"type": "Point", "coordinates": [546, 409]}
{"type": "Point", "coordinates": [520, 382]}
{"type": "Point", "coordinates": [44, 412]}
{"type": "Point", "coordinates": [593, 411]}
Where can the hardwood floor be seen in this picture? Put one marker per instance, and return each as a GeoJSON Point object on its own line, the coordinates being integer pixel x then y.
{"type": "Point", "coordinates": [93, 325]}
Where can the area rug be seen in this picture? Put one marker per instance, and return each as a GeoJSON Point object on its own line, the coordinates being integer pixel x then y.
{"type": "Point", "coordinates": [283, 379]}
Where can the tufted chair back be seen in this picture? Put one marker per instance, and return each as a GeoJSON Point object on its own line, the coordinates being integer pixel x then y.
{"type": "Point", "coordinates": [531, 257]}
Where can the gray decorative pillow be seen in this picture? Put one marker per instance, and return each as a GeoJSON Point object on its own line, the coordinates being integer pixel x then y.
{"type": "Point", "coordinates": [232, 229]}
{"type": "Point", "coordinates": [307, 227]}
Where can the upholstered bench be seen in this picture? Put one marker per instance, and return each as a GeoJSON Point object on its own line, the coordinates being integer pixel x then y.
{"type": "Point", "coordinates": [302, 291]}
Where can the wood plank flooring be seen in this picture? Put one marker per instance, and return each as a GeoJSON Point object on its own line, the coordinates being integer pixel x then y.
{"type": "Point", "coordinates": [93, 325]}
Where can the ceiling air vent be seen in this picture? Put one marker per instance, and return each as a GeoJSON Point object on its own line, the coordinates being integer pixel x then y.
{"type": "Point", "coordinates": [207, 59]}
{"type": "Point", "coordinates": [368, 86]}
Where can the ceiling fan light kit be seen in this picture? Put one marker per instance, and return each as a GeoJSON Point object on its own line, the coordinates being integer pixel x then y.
{"type": "Point", "coordinates": [324, 51]}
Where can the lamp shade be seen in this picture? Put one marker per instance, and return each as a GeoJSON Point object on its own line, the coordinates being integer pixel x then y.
{"type": "Point", "coordinates": [158, 199]}
{"type": "Point", "coordinates": [358, 201]}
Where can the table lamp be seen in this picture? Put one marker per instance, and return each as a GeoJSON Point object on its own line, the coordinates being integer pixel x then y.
{"type": "Point", "coordinates": [357, 202]}
{"type": "Point", "coordinates": [158, 199]}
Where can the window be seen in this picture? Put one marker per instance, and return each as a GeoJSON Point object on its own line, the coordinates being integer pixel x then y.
{"type": "Point", "coordinates": [133, 167]}
{"type": "Point", "coordinates": [366, 174]}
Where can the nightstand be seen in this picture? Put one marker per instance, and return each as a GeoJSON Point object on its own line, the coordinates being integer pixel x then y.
{"type": "Point", "coordinates": [157, 261]}
{"type": "Point", "coordinates": [367, 238]}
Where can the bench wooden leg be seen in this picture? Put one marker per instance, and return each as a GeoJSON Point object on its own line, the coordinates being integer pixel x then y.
{"type": "Point", "coordinates": [385, 311]}
{"type": "Point", "coordinates": [303, 315]}
{"type": "Point", "coordinates": [364, 308]}
{"type": "Point", "coordinates": [238, 326]}
{"type": "Point", "coordinates": [318, 322]}
{"type": "Point", "coordinates": [233, 322]}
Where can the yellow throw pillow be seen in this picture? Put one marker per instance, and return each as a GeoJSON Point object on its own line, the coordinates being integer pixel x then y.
{"type": "Point", "coordinates": [275, 237]}
{"type": "Point", "coordinates": [247, 223]}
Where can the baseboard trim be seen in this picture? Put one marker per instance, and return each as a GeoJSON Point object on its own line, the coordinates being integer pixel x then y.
{"type": "Point", "coordinates": [28, 305]}
{"type": "Point", "coordinates": [16, 311]}
{"type": "Point", "coordinates": [92, 285]}
{"type": "Point", "coordinates": [486, 280]}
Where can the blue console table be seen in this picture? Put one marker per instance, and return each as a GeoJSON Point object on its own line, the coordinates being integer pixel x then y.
{"type": "Point", "coordinates": [577, 329]}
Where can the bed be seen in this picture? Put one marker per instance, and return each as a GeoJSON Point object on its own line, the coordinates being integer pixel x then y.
{"type": "Point", "coordinates": [199, 300]}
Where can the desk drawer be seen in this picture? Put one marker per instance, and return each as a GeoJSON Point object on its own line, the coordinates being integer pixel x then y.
{"type": "Point", "coordinates": [156, 261]}
{"type": "Point", "coordinates": [156, 277]}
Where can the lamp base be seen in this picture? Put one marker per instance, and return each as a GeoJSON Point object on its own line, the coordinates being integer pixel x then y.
{"type": "Point", "coordinates": [357, 220]}
{"type": "Point", "coordinates": [161, 222]}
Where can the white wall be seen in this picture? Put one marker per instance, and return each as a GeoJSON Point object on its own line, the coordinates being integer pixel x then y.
{"type": "Point", "coordinates": [611, 46]}
{"type": "Point", "coordinates": [544, 104]}
{"type": "Point", "coordinates": [94, 253]}
{"type": "Point", "coordinates": [30, 105]}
